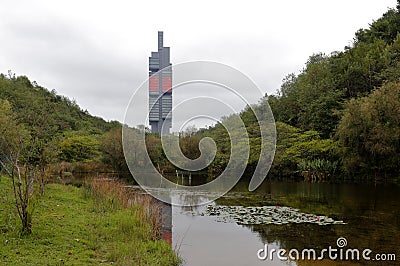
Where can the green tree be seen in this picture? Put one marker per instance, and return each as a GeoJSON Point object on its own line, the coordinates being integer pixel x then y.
{"type": "Point", "coordinates": [112, 150]}
{"type": "Point", "coordinates": [79, 148]}
{"type": "Point", "coordinates": [369, 132]}
{"type": "Point", "coordinates": [295, 146]}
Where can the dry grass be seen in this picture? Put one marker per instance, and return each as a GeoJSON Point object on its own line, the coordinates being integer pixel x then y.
{"type": "Point", "coordinates": [113, 193]}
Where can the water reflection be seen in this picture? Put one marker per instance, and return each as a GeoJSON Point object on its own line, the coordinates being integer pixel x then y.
{"type": "Point", "coordinates": [372, 214]}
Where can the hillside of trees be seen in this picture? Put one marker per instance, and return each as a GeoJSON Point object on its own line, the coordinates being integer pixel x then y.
{"type": "Point", "coordinates": [340, 115]}
{"type": "Point", "coordinates": [57, 134]}
{"type": "Point", "coordinates": [31, 100]}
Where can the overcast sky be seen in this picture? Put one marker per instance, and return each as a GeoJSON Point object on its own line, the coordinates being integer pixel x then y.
{"type": "Point", "coordinates": [96, 52]}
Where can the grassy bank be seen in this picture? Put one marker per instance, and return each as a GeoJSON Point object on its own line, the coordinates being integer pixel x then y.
{"type": "Point", "coordinates": [79, 226]}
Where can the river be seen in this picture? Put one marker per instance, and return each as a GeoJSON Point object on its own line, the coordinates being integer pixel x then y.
{"type": "Point", "coordinates": [371, 213]}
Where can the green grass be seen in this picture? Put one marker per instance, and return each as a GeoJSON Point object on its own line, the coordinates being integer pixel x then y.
{"type": "Point", "coordinates": [69, 229]}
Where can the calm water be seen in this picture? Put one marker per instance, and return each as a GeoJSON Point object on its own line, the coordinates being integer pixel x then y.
{"type": "Point", "coordinates": [372, 214]}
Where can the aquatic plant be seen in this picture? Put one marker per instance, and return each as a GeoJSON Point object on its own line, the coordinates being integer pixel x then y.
{"type": "Point", "coordinates": [317, 170]}
{"type": "Point", "coordinates": [266, 215]}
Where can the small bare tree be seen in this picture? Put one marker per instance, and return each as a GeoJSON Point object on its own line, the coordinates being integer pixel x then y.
{"type": "Point", "coordinates": [23, 179]}
{"type": "Point", "coordinates": [14, 160]}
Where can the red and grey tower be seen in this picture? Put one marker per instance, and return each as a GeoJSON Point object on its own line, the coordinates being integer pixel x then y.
{"type": "Point", "coordinates": [160, 89]}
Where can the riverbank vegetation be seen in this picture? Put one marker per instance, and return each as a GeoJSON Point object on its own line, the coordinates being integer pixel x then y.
{"type": "Point", "coordinates": [89, 225]}
{"type": "Point", "coordinates": [45, 139]}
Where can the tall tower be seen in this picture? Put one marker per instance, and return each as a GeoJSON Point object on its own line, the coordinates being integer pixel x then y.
{"type": "Point", "coordinates": [160, 89]}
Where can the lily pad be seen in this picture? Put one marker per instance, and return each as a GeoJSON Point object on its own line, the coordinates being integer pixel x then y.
{"type": "Point", "coordinates": [266, 215]}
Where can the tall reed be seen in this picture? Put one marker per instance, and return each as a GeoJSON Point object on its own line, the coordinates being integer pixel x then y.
{"type": "Point", "coordinates": [115, 194]}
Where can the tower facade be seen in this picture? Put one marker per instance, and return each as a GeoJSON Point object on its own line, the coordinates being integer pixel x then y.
{"type": "Point", "coordinates": [160, 89]}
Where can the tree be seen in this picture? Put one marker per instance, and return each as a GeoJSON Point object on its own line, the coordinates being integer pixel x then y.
{"type": "Point", "coordinates": [112, 150]}
{"type": "Point", "coordinates": [310, 100]}
{"type": "Point", "coordinates": [295, 146]}
{"type": "Point", "coordinates": [79, 148]}
{"type": "Point", "coordinates": [15, 154]}
{"type": "Point", "coordinates": [189, 143]}
{"type": "Point", "coordinates": [369, 132]}
{"type": "Point", "coordinates": [42, 130]}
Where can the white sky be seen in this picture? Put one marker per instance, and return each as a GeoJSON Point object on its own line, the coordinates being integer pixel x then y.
{"type": "Point", "coordinates": [96, 52]}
